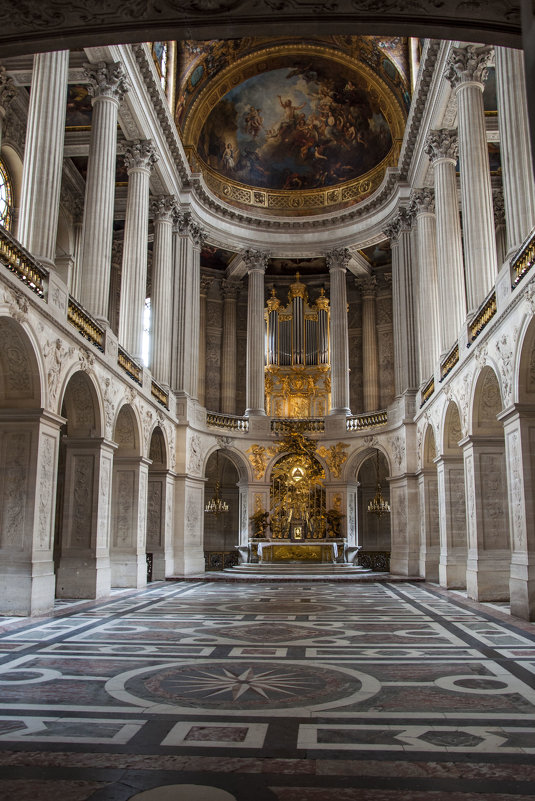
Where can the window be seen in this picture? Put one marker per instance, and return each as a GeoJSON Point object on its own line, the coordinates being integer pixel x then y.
{"type": "Point", "coordinates": [6, 197]}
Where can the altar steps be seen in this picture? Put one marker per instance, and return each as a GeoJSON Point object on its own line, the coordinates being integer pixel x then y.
{"type": "Point", "coordinates": [297, 568]}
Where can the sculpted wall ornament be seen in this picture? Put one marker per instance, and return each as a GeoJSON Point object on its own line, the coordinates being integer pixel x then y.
{"type": "Point", "coordinates": [195, 455]}
{"type": "Point", "coordinates": [468, 64]}
{"type": "Point", "coordinates": [109, 396]}
{"type": "Point", "coordinates": [517, 490]}
{"type": "Point", "coordinates": [17, 377]}
{"type": "Point", "coordinates": [338, 259]}
{"type": "Point", "coordinates": [8, 90]}
{"type": "Point", "coordinates": [335, 456]}
{"type": "Point", "coordinates": [442, 144]}
{"type": "Point", "coordinates": [224, 442]}
{"type": "Point", "coordinates": [258, 455]}
{"type": "Point", "coordinates": [397, 447]}
{"type": "Point", "coordinates": [505, 363]}
{"type": "Point", "coordinates": [83, 501]}
{"type": "Point", "coordinates": [16, 464]}
{"type": "Point", "coordinates": [154, 514]}
{"type": "Point", "coordinates": [46, 492]}
{"type": "Point", "coordinates": [56, 355]}
{"type": "Point", "coordinates": [107, 80]}
{"type": "Point", "coordinates": [140, 155]}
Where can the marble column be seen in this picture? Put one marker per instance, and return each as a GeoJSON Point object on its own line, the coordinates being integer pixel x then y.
{"type": "Point", "coordinates": [107, 84]}
{"type": "Point", "coordinates": [405, 351]}
{"type": "Point", "coordinates": [84, 568]}
{"type": "Point", "coordinates": [43, 156]}
{"type": "Point", "coordinates": [256, 262]}
{"type": "Point", "coordinates": [452, 521]}
{"type": "Point", "coordinates": [76, 273]}
{"type": "Point", "coordinates": [337, 261]}
{"type": "Point", "coordinates": [205, 284]}
{"type": "Point", "coordinates": [467, 71]}
{"type": "Point", "coordinates": [498, 205]}
{"type": "Point", "coordinates": [187, 292]}
{"type": "Point", "coordinates": [8, 92]}
{"type": "Point", "coordinates": [487, 567]}
{"type": "Point", "coordinates": [519, 430]}
{"type": "Point", "coordinates": [139, 158]}
{"type": "Point", "coordinates": [370, 357]}
{"type": "Point", "coordinates": [115, 284]}
{"type": "Point", "coordinates": [442, 148]}
{"type": "Point", "coordinates": [515, 146]}
{"type": "Point", "coordinates": [161, 209]}
{"type": "Point", "coordinates": [160, 522]}
{"type": "Point", "coordinates": [228, 347]}
{"type": "Point", "coordinates": [429, 311]}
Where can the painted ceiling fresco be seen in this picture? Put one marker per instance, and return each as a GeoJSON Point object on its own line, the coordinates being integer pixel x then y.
{"type": "Point", "coordinates": [301, 127]}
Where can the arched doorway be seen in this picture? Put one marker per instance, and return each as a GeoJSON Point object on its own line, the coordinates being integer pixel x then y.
{"type": "Point", "coordinates": [452, 502]}
{"type": "Point", "coordinates": [81, 542]}
{"type": "Point", "coordinates": [489, 549]}
{"type": "Point", "coordinates": [159, 509]}
{"type": "Point", "coordinates": [374, 529]}
{"type": "Point", "coordinates": [221, 526]}
{"type": "Point", "coordinates": [429, 525]}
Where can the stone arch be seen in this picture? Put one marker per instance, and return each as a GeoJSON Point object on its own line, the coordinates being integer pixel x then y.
{"type": "Point", "coordinates": [159, 507]}
{"type": "Point", "coordinates": [451, 429]}
{"type": "Point", "coordinates": [429, 515]}
{"type": "Point", "coordinates": [12, 158]}
{"type": "Point", "coordinates": [127, 431]}
{"type": "Point", "coordinates": [158, 449]}
{"type": "Point", "coordinates": [486, 403]}
{"type": "Point", "coordinates": [20, 375]}
{"type": "Point", "coordinates": [373, 532]}
{"type": "Point", "coordinates": [222, 532]}
{"type": "Point", "coordinates": [524, 376]}
{"type": "Point", "coordinates": [81, 406]}
{"type": "Point", "coordinates": [357, 458]}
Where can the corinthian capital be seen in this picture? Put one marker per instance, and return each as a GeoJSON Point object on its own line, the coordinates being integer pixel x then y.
{"type": "Point", "coordinates": [338, 259]}
{"type": "Point", "coordinates": [107, 79]}
{"type": "Point", "coordinates": [186, 226]}
{"type": "Point", "coordinates": [423, 201]}
{"type": "Point", "coordinates": [162, 208]}
{"type": "Point", "coordinates": [8, 89]}
{"type": "Point", "coordinates": [442, 144]}
{"type": "Point", "coordinates": [256, 260]}
{"type": "Point", "coordinates": [468, 64]}
{"type": "Point", "coordinates": [400, 224]}
{"type": "Point", "coordinates": [367, 285]}
{"type": "Point", "coordinates": [140, 155]}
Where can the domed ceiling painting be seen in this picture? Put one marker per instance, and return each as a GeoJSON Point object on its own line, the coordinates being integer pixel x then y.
{"type": "Point", "coordinates": [294, 128]}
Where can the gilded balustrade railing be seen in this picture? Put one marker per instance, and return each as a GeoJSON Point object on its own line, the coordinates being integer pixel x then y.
{"type": "Point", "coordinates": [358, 422]}
{"type": "Point", "coordinates": [85, 325]}
{"type": "Point", "coordinates": [159, 393]}
{"type": "Point", "coordinates": [18, 261]}
{"type": "Point", "coordinates": [524, 261]}
{"type": "Point", "coordinates": [449, 362]}
{"type": "Point", "coordinates": [427, 391]}
{"type": "Point", "coordinates": [283, 425]}
{"type": "Point", "coordinates": [483, 317]}
{"type": "Point", "coordinates": [228, 421]}
{"type": "Point", "coordinates": [131, 368]}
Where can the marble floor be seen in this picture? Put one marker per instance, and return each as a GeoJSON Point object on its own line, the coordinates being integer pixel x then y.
{"type": "Point", "coordinates": [304, 691]}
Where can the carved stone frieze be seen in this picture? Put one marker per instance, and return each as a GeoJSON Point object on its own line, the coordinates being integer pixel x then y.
{"type": "Point", "coordinates": [194, 455]}
{"type": "Point", "coordinates": [397, 446]}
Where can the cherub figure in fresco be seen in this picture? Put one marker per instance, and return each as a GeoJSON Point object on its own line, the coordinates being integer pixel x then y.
{"type": "Point", "coordinates": [253, 121]}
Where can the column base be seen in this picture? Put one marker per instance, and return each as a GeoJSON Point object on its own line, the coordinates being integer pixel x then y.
{"type": "Point", "coordinates": [24, 594]}
{"type": "Point", "coordinates": [522, 591]}
{"type": "Point", "coordinates": [83, 577]}
{"type": "Point", "coordinates": [255, 413]}
{"type": "Point", "coordinates": [452, 571]}
{"type": "Point", "coordinates": [128, 570]}
{"type": "Point", "coordinates": [487, 578]}
{"type": "Point", "coordinates": [429, 566]}
{"type": "Point", "coordinates": [404, 564]}
{"type": "Point", "coordinates": [190, 562]}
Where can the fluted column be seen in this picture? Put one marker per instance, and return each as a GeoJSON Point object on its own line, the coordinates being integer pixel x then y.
{"type": "Point", "coordinates": [515, 146]}
{"type": "Point", "coordinates": [498, 206]}
{"type": "Point", "coordinates": [206, 283]}
{"type": "Point", "coordinates": [76, 273]}
{"type": "Point", "coordinates": [429, 312]}
{"type": "Point", "coordinates": [228, 349]}
{"type": "Point", "coordinates": [370, 356]}
{"type": "Point", "coordinates": [107, 84]}
{"type": "Point", "coordinates": [256, 262]}
{"type": "Point", "coordinates": [443, 149]}
{"type": "Point", "coordinates": [186, 256]}
{"type": "Point", "coordinates": [405, 352]}
{"type": "Point", "coordinates": [161, 209]}
{"type": "Point", "coordinates": [43, 156]}
{"type": "Point", "coordinates": [337, 261]}
{"type": "Point", "coordinates": [467, 71]}
{"type": "Point", "coordinates": [139, 159]}
{"type": "Point", "coordinates": [8, 92]}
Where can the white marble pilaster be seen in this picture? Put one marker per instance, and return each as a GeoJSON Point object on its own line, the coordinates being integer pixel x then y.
{"type": "Point", "coordinates": [452, 521]}
{"type": "Point", "coordinates": [188, 553]}
{"type": "Point", "coordinates": [107, 84]}
{"type": "Point", "coordinates": [129, 522]}
{"type": "Point", "coordinates": [205, 284]}
{"type": "Point", "coordinates": [139, 158]}
{"type": "Point", "coordinates": [161, 209]}
{"type": "Point", "coordinates": [84, 567]}
{"type": "Point", "coordinates": [515, 146]}
{"type": "Point", "coordinates": [228, 347]}
{"type": "Point", "coordinates": [429, 525]}
{"type": "Point", "coordinates": [442, 148]}
{"type": "Point", "coordinates": [256, 262]}
{"type": "Point", "coordinates": [405, 550]}
{"type": "Point", "coordinates": [337, 261]}
{"type": "Point", "coordinates": [160, 522]}
{"type": "Point", "coordinates": [43, 156]}
{"type": "Point", "coordinates": [404, 324]}
{"type": "Point", "coordinates": [370, 356]}
{"type": "Point", "coordinates": [466, 71]}
{"type": "Point", "coordinates": [429, 311]}
{"type": "Point", "coordinates": [519, 429]}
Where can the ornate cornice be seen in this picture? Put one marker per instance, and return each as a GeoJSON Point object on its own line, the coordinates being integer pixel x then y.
{"type": "Point", "coordinates": [8, 90]}
{"type": "Point", "coordinates": [400, 224]}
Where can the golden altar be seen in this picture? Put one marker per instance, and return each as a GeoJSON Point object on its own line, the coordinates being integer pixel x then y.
{"type": "Point", "coordinates": [321, 552]}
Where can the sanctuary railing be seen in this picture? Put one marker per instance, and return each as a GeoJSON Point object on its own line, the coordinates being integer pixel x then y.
{"type": "Point", "coordinates": [84, 324]}
{"type": "Point", "coordinates": [281, 425]}
{"type": "Point", "coordinates": [483, 317]}
{"type": "Point", "coordinates": [359, 422]}
{"type": "Point", "coordinates": [450, 360]}
{"type": "Point", "coordinates": [131, 367]}
{"type": "Point", "coordinates": [159, 393]}
{"type": "Point", "coordinates": [427, 391]}
{"type": "Point", "coordinates": [230, 422]}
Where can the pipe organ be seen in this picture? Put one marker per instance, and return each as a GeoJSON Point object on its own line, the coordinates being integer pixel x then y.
{"type": "Point", "coordinates": [298, 372]}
